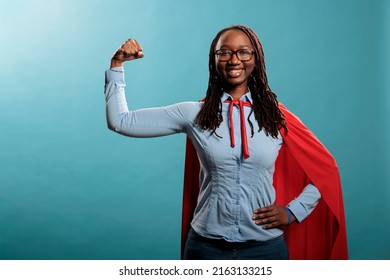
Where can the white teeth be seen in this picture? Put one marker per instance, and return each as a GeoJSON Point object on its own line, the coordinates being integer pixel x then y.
{"type": "Point", "coordinates": [235, 72]}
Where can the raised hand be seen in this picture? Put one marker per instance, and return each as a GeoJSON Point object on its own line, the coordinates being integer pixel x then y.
{"type": "Point", "coordinates": [128, 51]}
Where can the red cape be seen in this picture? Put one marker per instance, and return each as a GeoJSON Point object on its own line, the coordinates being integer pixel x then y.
{"type": "Point", "coordinates": [302, 159]}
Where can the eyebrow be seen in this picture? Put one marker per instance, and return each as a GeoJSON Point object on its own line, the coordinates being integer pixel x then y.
{"type": "Point", "coordinates": [240, 47]}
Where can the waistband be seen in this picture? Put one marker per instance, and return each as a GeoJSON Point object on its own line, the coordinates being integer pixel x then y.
{"type": "Point", "coordinates": [193, 234]}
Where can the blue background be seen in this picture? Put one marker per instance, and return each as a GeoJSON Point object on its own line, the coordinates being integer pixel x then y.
{"type": "Point", "coordinates": [71, 189]}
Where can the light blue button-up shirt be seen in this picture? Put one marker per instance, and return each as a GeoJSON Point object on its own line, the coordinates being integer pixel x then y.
{"type": "Point", "coordinates": [231, 187]}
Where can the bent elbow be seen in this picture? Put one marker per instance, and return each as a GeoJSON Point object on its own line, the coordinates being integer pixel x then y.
{"type": "Point", "coordinates": [112, 125]}
{"type": "Point", "coordinates": [119, 124]}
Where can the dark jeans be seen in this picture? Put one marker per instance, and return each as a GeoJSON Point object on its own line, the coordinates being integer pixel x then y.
{"type": "Point", "coordinates": [201, 248]}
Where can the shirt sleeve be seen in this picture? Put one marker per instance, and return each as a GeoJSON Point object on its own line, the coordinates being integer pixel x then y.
{"type": "Point", "coordinates": [151, 122]}
{"type": "Point", "coordinates": [305, 203]}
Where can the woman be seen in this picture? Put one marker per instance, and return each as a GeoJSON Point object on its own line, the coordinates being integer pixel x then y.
{"type": "Point", "coordinates": [238, 131]}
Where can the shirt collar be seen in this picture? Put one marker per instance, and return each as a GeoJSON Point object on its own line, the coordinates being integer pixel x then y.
{"type": "Point", "coordinates": [246, 97]}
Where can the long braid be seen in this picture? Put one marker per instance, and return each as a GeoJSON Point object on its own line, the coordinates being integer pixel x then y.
{"type": "Point", "coordinates": [210, 115]}
{"type": "Point", "coordinates": [265, 105]}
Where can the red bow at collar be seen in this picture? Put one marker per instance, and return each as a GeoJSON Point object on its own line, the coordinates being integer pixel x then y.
{"type": "Point", "coordinates": [244, 139]}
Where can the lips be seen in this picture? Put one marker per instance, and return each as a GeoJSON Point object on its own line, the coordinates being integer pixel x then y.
{"type": "Point", "coordinates": [234, 73]}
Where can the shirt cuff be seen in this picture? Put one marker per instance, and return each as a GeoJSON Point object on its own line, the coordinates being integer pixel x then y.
{"type": "Point", "coordinates": [115, 74]}
{"type": "Point", "coordinates": [305, 203]}
{"type": "Point", "coordinates": [298, 210]}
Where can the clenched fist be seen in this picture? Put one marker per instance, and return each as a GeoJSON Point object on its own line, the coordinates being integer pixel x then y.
{"type": "Point", "coordinates": [128, 51]}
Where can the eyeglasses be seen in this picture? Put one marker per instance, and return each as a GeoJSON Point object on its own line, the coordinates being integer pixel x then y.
{"type": "Point", "coordinates": [226, 55]}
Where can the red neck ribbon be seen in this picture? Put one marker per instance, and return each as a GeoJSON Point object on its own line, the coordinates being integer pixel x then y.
{"type": "Point", "coordinates": [244, 139]}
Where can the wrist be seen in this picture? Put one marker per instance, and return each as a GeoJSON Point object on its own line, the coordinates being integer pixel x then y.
{"type": "Point", "coordinates": [116, 63]}
{"type": "Point", "coordinates": [290, 216]}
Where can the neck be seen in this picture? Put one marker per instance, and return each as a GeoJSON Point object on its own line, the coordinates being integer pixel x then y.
{"type": "Point", "coordinates": [237, 92]}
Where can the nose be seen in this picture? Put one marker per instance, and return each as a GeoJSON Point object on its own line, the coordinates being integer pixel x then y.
{"type": "Point", "coordinates": [234, 59]}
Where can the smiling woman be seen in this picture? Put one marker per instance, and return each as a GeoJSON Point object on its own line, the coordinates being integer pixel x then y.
{"type": "Point", "coordinates": [235, 214]}
{"type": "Point", "coordinates": [234, 62]}
{"type": "Point", "coordinates": [72, 189]}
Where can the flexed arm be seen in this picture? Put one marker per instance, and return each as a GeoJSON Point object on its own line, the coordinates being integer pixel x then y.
{"type": "Point", "coordinates": [150, 122]}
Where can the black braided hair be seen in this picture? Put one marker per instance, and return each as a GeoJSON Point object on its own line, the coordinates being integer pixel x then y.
{"type": "Point", "coordinates": [265, 105]}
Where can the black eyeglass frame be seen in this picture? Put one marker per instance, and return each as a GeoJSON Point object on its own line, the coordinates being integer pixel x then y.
{"type": "Point", "coordinates": [218, 53]}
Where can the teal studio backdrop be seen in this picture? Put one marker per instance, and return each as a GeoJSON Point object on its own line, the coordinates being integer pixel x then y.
{"type": "Point", "coordinates": [72, 189]}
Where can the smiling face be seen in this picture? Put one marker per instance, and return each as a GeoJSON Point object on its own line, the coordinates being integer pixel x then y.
{"type": "Point", "coordinates": [234, 72]}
